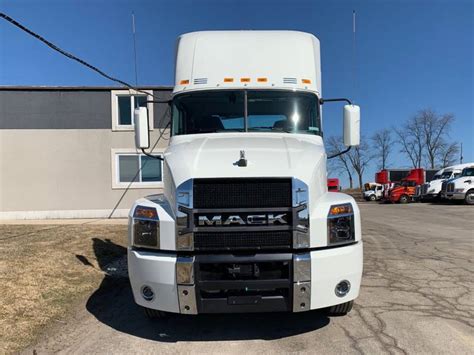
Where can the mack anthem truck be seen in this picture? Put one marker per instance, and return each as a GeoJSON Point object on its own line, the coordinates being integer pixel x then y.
{"type": "Point", "coordinates": [245, 222]}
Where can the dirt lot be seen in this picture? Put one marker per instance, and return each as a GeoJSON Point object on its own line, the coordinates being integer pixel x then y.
{"type": "Point", "coordinates": [417, 297]}
{"type": "Point", "coordinates": [45, 268]}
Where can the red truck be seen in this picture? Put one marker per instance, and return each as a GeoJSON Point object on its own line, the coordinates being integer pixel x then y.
{"type": "Point", "coordinates": [405, 191]}
{"type": "Point", "coordinates": [390, 178]}
{"type": "Point", "coordinates": [333, 184]}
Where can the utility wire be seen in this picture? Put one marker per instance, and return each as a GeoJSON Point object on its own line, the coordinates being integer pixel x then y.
{"type": "Point", "coordinates": [100, 72]}
{"type": "Point", "coordinates": [72, 56]}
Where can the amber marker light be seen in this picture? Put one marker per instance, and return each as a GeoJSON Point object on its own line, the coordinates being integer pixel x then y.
{"type": "Point", "coordinates": [262, 80]}
{"type": "Point", "coordinates": [228, 80]}
{"type": "Point", "coordinates": [145, 212]}
{"type": "Point", "coordinates": [184, 82]}
{"type": "Point", "coordinates": [306, 81]}
{"type": "Point", "coordinates": [340, 209]}
{"type": "Point", "coordinates": [245, 80]}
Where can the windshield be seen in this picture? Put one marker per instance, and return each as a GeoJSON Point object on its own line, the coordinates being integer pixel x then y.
{"type": "Point", "coordinates": [446, 175]}
{"type": "Point", "coordinates": [252, 111]}
{"type": "Point", "coordinates": [468, 172]}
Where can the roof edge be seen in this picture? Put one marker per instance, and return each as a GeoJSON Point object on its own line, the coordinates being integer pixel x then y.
{"type": "Point", "coordinates": [79, 88]}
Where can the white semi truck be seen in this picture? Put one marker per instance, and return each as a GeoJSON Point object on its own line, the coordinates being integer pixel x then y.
{"type": "Point", "coordinates": [460, 187]}
{"type": "Point", "coordinates": [432, 190]}
{"type": "Point", "coordinates": [245, 222]}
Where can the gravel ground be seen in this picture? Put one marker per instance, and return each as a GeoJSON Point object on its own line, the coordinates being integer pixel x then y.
{"type": "Point", "coordinates": [416, 298]}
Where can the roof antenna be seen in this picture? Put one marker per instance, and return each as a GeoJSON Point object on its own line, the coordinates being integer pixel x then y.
{"type": "Point", "coordinates": [135, 53]}
{"type": "Point", "coordinates": [354, 57]}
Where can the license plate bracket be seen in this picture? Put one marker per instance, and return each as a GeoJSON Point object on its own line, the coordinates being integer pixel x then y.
{"type": "Point", "coordinates": [240, 300]}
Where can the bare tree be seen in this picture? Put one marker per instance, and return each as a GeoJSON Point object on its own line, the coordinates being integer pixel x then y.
{"type": "Point", "coordinates": [411, 139]}
{"type": "Point", "coordinates": [447, 154]}
{"type": "Point", "coordinates": [383, 143]}
{"type": "Point", "coordinates": [435, 129]}
{"type": "Point", "coordinates": [341, 163]}
{"type": "Point", "coordinates": [359, 158]}
{"type": "Point", "coordinates": [424, 136]}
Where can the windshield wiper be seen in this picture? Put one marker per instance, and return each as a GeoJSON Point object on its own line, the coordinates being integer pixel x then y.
{"type": "Point", "coordinates": [229, 130]}
{"type": "Point", "coordinates": [271, 129]}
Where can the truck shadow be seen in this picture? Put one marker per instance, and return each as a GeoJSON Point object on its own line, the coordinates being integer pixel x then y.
{"type": "Point", "coordinates": [112, 304]}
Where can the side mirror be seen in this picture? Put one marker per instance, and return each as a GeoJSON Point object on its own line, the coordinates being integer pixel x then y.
{"type": "Point", "coordinates": [351, 125]}
{"type": "Point", "coordinates": [142, 137]}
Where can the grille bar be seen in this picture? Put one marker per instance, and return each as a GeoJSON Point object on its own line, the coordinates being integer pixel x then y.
{"type": "Point", "coordinates": [242, 240]}
{"type": "Point", "coordinates": [242, 193]}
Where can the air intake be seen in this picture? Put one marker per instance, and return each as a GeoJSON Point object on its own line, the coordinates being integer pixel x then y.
{"type": "Point", "coordinates": [200, 81]}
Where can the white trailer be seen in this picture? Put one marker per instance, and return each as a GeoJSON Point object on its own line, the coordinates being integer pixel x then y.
{"type": "Point", "coordinates": [246, 223]}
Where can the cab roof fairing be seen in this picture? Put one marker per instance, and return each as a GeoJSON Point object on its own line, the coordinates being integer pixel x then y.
{"type": "Point", "coordinates": [288, 60]}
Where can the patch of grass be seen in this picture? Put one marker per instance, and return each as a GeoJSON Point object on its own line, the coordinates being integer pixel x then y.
{"type": "Point", "coordinates": [46, 268]}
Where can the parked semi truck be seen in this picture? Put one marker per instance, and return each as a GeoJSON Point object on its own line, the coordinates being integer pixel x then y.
{"type": "Point", "coordinates": [333, 185]}
{"type": "Point", "coordinates": [245, 222]}
{"type": "Point", "coordinates": [373, 191]}
{"type": "Point", "coordinates": [461, 188]}
{"type": "Point", "coordinates": [406, 190]}
{"type": "Point", "coordinates": [432, 189]}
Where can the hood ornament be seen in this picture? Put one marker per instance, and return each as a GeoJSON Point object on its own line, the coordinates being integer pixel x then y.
{"type": "Point", "coordinates": [242, 162]}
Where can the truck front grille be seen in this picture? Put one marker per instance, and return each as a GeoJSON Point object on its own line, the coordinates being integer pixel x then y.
{"type": "Point", "coordinates": [229, 206]}
{"type": "Point", "coordinates": [242, 193]}
{"type": "Point", "coordinates": [444, 185]}
{"type": "Point", "coordinates": [450, 187]}
{"type": "Point", "coordinates": [242, 240]}
{"type": "Point", "coordinates": [424, 189]}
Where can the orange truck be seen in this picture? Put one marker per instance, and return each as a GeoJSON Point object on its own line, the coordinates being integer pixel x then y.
{"type": "Point", "coordinates": [406, 190]}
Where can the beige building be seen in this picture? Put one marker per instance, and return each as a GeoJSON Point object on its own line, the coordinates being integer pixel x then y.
{"type": "Point", "coordinates": [69, 152]}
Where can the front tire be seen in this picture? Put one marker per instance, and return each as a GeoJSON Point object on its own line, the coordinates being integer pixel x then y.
{"type": "Point", "coordinates": [340, 309]}
{"type": "Point", "coordinates": [372, 198]}
{"type": "Point", "coordinates": [154, 313]}
{"type": "Point", "coordinates": [403, 199]}
{"type": "Point", "coordinates": [469, 198]}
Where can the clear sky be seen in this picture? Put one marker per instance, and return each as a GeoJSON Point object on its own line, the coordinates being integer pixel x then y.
{"type": "Point", "coordinates": [410, 54]}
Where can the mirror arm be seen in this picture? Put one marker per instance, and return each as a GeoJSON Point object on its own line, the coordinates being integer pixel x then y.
{"type": "Point", "coordinates": [322, 101]}
{"type": "Point", "coordinates": [158, 102]}
{"type": "Point", "coordinates": [340, 153]}
{"type": "Point", "coordinates": [152, 156]}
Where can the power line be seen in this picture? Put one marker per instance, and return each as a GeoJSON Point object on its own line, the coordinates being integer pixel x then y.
{"type": "Point", "coordinates": [100, 72]}
{"type": "Point", "coordinates": [71, 56]}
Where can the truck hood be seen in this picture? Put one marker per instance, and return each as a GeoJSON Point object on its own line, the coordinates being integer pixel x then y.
{"type": "Point", "coordinates": [268, 155]}
{"type": "Point", "coordinates": [435, 184]}
{"type": "Point", "coordinates": [460, 180]}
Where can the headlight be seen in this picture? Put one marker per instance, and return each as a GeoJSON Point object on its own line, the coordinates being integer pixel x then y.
{"type": "Point", "coordinates": [341, 224]}
{"type": "Point", "coordinates": [458, 190]}
{"type": "Point", "coordinates": [146, 227]}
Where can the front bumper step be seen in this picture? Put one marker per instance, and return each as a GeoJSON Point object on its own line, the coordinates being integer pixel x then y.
{"type": "Point", "coordinates": [245, 283]}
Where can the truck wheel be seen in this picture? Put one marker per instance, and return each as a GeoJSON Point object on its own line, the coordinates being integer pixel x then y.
{"type": "Point", "coordinates": [154, 313]}
{"type": "Point", "coordinates": [340, 309]}
{"type": "Point", "coordinates": [469, 198]}
{"type": "Point", "coordinates": [372, 198]}
{"type": "Point", "coordinates": [403, 199]}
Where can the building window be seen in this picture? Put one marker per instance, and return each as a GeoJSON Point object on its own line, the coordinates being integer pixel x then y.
{"type": "Point", "coordinates": [136, 170]}
{"type": "Point", "coordinates": [123, 104]}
